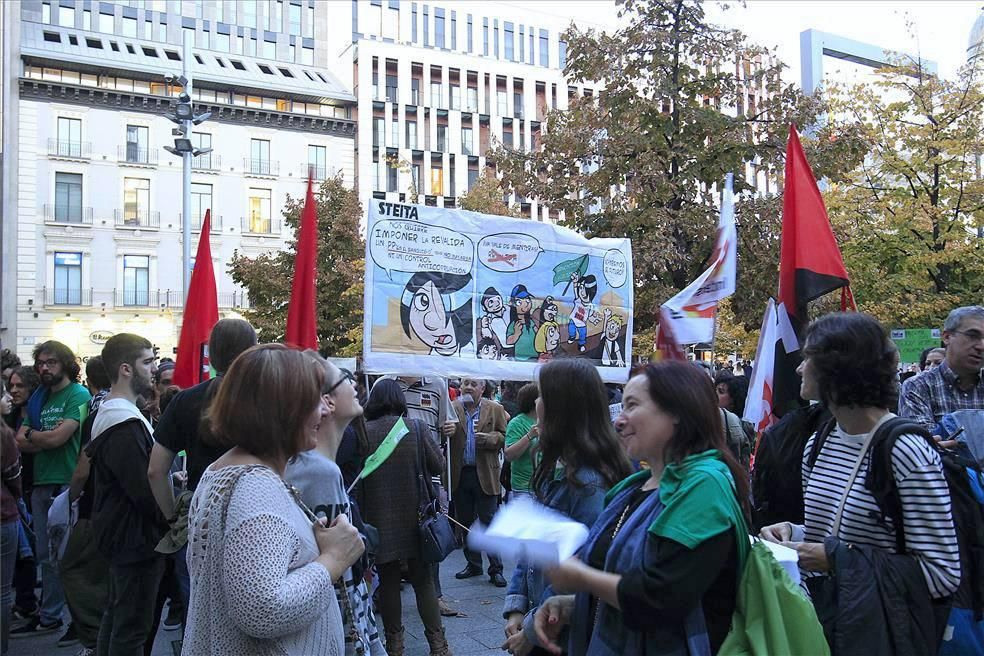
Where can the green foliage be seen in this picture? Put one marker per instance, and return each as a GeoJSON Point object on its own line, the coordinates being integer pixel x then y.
{"type": "Point", "coordinates": [649, 147]}
{"type": "Point", "coordinates": [486, 196]}
{"type": "Point", "coordinates": [341, 250]}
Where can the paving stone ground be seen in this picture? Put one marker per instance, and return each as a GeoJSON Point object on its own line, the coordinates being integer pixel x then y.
{"type": "Point", "coordinates": [478, 634]}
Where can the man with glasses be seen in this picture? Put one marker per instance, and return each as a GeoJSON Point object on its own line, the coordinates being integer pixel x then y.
{"type": "Point", "coordinates": [51, 432]}
{"type": "Point", "coordinates": [956, 384]}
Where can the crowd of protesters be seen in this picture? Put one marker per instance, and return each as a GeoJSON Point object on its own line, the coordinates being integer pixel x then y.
{"type": "Point", "coordinates": [237, 504]}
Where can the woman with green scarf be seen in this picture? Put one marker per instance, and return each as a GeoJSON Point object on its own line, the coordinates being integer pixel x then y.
{"type": "Point", "coordinates": [660, 569]}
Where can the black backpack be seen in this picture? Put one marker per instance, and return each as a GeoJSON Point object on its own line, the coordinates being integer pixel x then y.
{"type": "Point", "coordinates": [967, 511]}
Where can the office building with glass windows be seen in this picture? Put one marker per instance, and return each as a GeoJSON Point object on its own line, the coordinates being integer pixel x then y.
{"type": "Point", "coordinates": [91, 237]}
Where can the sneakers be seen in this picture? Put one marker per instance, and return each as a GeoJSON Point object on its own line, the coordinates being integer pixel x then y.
{"type": "Point", "coordinates": [86, 651]}
{"type": "Point", "coordinates": [172, 621]}
{"type": "Point", "coordinates": [69, 638]}
{"type": "Point", "coordinates": [19, 614]}
{"type": "Point", "coordinates": [34, 627]}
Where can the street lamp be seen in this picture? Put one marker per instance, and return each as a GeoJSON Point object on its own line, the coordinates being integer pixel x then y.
{"type": "Point", "coordinates": [184, 116]}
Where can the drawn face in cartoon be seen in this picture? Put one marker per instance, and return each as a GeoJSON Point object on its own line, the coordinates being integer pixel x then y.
{"type": "Point", "coordinates": [524, 305]}
{"type": "Point", "coordinates": [612, 328]}
{"type": "Point", "coordinates": [581, 291]}
{"type": "Point", "coordinates": [553, 337]}
{"type": "Point", "coordinates": [430, 321]}
{"type": "Point", "coordinates": [487, 350]}
{"type": "Point", "coordinates": [493, 305]}
{"type": "Point", "coordinates": [550, 313]}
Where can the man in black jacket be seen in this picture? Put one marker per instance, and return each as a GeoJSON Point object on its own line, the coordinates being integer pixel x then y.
{"type": "Point", "coordinates": [126, 521]}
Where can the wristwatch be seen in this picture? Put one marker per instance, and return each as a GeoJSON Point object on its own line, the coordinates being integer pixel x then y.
{"type": "Point", "coordinates": [27, 434]}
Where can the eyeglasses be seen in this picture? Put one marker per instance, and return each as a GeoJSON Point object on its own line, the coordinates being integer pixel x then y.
{"type": "Point", "coordinates": [50, 363]}
{"type": "Point", "coordinates": [346, 377]}
{"type": "Point", "coordinates": [972, 335]}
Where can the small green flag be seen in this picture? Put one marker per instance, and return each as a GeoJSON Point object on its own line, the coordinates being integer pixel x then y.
{"type": "Point", "coordinates": [563, 271]}
{"type": "Point", "coordinates": [386, 447]}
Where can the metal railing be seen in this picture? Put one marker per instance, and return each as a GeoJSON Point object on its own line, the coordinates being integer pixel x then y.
{"type": "Point", "coordinates": [133, 154]}
{"type": "Point", "coordinates": [317, 172]}
{"type": "Point", "coordinates": [206, 162]}
{"type": "Point", "coordinates": [259, 226]}
{"type": "Point", "coordinates": [72, 296]}
{"type": "Point", "coordinates": [138, 219]}
{"type": "Point", "coordinates": [55, 213]}
{"type": "Point", "coordinates": [137, 298]}
{"type": "Point", "coordinates": [234, 300]}
{"type": "Point", "coordinates": [70, 149]}
{"type": "Point", "coordinates": [198, 219]}
{"type": "Point", "coordinates": [260, 166]}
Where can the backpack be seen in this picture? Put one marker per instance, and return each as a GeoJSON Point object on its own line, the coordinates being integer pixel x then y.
{"type": "Point", "coordinates": [738, 441]}
{"type": "Point", "coordinates": [961, 475]}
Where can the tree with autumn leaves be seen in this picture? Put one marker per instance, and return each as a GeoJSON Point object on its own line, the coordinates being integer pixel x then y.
{"type": "Point", "coordinates": [341, 250]}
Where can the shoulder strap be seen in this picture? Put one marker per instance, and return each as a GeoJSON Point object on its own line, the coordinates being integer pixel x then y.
{"type": "Point", "coordinates": [876, 430]}
{"type": "Point", "coordinates": [423, 482]}
{"type": "Point", "coordinates": [823, 433]}
{"type": "Point", "coordinates": [727, 425]}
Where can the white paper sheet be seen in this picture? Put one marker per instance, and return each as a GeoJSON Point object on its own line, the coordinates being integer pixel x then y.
{"type": "Point", "coordinates": [525, 530]}
{"type": "Point", "coordinates": [787, 557]}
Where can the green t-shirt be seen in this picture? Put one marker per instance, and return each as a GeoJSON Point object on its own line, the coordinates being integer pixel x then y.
{"type": "Point", "coordinates": [524, 349]}
{"type": "Point", "coordinates": [55, 466]}
{"type": "Point", "coordinates": [522, 467]}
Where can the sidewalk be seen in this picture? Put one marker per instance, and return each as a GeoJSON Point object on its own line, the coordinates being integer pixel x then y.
{"type": "Point", "coordinates": [479, 633]}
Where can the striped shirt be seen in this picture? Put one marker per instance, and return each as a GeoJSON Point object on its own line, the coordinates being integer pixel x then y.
{"type": "Point", "coordinates": [929, 532]}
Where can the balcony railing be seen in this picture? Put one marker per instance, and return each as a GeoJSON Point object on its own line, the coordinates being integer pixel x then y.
{"type": "Point", "coordinates": [69, 149]}
{"type": "Point", "coordinates": [138, 219]}
{"type": "Point", "coordinates": [69, 214]}
{"type": "Point", "coordinates": [260, 226]}
{"type": "Point", "coordinates": [198, 219]}
{"type": "Point", "coordinates": [58, 296]}
{"type": "Point", "coordinates": [138, 298]}
{"type": "Point", "coordinates": [261, 166]}
{"type": "Point", "coordinates": [207, 162]}
{"type": "Point", "coordinates": [317, 172]}
{"type": "Point", "coordinates": [133, 154]}
{"type": "Point", "coordinates": [234, 300]}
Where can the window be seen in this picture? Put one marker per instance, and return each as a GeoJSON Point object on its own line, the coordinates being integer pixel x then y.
{"type": "Point", "coordinates": [455, 96]}
{"type": "Point", "coordinates": [485, 37]}
{"type": "Point", "coordinates": [66, 16]}
{"type": "Point", "coordinates": [472, 105]}
{"type": "Point", "coordinates": [495, 37]}
{"type": "Point", "coordinates": [508, 35]}
{"type": "Point", "coordinates": [426, 26]}
{"type": "Point", "coordinates": [129, 27]}
{"type": "Point", "coordinates": [467, 145]}
{"type": "Point", "coordinates": [249, 14]}
{"type": "Point", "coordinates": [518, 105]}
{"type": "Point", "coordinates": [275, 16]}
{"type": "Point", "coordinates": [46, 13]}
{"type": "Point", "coordinates": [413, 22]}
{"type": "Point", "coordinates": [222, 42]}
{"type": "Point", "coordinates": [106, 22]}
{"type": "Point", "coordinates": [137, 137]}
{"type": "Point", "coordinates": [507, 139]}
{"type": "Point", "coordinates": [391, 85]}
{"type": "Point", "coordinates": [454, 30]}
{"type": "Point", "coordinates": [136, 280]}
{"type": "Point", "coordinates": [469, 34]}
{"type": "Point", "coordinates": [307, 56]}
{"type": "Point", "coordinates": [522, 46]}
{"type": "Point", "coordinates": [412, 135]}
{"type": "Point", "coordinates": [292, 53]}
{"type": "Point", "coordinates": [544, 49]}
{"type": "Point", "coordinates": [442, 138]}
{"type": "Point", "coordinates": [259, 211]}
{"type": "Point", "coordinates": [201, 140]}
{"type": "Point", "coordinates": [437, 91]}
{"type": "Point", "coordinates": [148, 30]}
{"type": "Point", "coordinates": [414, 91]}
{"type": "Point", "coordinates": [378, 132]}
{"type": "Point", "coordinates": [68, 278]}
{"type": "Point", "coordinates": [394, 134]}
{"type": "Point", "coordinates": [392, 178]}
{"type": "Point", "coordinates": [69, 137]}
{"type": "Point", "coordinates": [309, 24]}
{"type": "Point", "coordinates": [136, 201]}
{"type": "Point", "coordinates": [472, 178]}
{"type": "Point", "coordinates": [259, 156]}
{"type": "Point", "coordinates": [295, 20]}
{"type": "Point", "coordinates": [162, 33]}
{"type": "Point", "coordinates": [562, 54]}
{"type": "Point", "coordinates": [68, 197]}
{"type": "Point", "coordinates": [437, 181]}
{"type": "Point", "coordinates": [269, 49]}
{"type": "Point", "coordinates": [201, 202]}
{"type": "Point", "coordinates": [531, 60]}
{"type": "Point", "coordinates": [502, 103]}
{"type": "Point", "coordinates": [87, 20]}
{"type": "Point", "coordinates": [439, 28]}
{"type": "Point", "coordinates": [318, 161]}
{"type": "Point", "coordinates": [415, 175]}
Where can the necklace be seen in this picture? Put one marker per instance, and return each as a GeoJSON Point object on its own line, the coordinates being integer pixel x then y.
{"type": "Point", "coordinates": [615, 531]}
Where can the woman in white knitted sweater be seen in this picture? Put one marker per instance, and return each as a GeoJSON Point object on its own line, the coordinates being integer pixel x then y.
{"type": "Point", "coordinates": [261, 569]}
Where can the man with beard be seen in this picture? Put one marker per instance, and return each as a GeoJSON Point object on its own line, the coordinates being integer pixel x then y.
{"type": "Point", "coordinates": [126, 522]}
{"type": "Point", "coordinates": [51, 432]}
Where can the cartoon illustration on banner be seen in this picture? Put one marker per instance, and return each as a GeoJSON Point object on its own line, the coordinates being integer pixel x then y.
{"type": "Point", "coordinates": [451, 292]}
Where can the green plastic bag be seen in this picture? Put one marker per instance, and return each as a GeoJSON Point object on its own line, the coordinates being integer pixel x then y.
{"type": "Point", "coordinates": [773, 617]}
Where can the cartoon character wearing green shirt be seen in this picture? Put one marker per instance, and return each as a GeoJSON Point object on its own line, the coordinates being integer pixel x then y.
{"type": "Point", "coordinates": [521, 330]}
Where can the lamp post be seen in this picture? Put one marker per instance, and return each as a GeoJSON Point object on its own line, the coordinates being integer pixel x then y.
{"type": "Point", "coordinates": [185, 117]}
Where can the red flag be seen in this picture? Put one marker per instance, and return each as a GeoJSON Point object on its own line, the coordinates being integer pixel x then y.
{"type": "Point", "coordinates": [301, 326]}
{"type": "Point", "coordinates": [200, 314]}
{"type": "Point", "coordinates": [810, 263]}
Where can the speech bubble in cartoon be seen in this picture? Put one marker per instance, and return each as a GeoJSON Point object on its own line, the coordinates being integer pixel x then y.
{"type": "Point", "coordinates": [508, 252]}
{"type": "Point", "coordinates": [410, 246]}
{"type": "Point", "coordinates": [615, 267]}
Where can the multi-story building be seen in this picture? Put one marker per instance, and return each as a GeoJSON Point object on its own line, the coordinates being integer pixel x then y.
{"type": "Point", "coordinates": [91, 205]}
{"type": "Point", "coordinates": [438, 84]}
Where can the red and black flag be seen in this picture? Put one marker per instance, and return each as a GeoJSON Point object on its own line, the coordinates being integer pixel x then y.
{"type": "Point", "coordinates": [810, 265]}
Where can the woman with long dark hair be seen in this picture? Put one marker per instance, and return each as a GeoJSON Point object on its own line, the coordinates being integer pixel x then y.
{"type": "Point", "coordinates": [659, 571]}
{"type": "Point", "coordinates": [391, 503]}
{"type": "Point", "coordinates": [580, 460]}
{"type": "Point", "coordinates": [521, 329]}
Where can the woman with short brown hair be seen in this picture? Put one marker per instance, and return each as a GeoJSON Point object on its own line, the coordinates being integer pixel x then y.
{"type": "Point", "coordinates": [261, 569]}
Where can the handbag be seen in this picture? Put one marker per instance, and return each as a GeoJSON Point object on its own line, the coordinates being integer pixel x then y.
{"type": "Point", "coordinates": [434, 528]}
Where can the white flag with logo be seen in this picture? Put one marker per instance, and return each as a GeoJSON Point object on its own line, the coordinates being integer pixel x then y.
{"type": "Point", "coordinates": [758, 403]}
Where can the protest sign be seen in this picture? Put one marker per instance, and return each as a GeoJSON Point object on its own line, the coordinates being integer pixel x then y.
{"type": "Point", "coordinates": [456, 293]}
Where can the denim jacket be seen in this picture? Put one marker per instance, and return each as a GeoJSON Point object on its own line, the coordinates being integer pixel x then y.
{"type": "Point", "coordinates": [582, 504]}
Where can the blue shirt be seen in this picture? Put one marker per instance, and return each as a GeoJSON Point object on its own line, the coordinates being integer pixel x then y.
{"type": "Point", "coordinates": [471, 422]}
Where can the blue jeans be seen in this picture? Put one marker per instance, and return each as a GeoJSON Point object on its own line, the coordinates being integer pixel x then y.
{"type": "Point", "coordinates": [52, 597]}
{"type": "Point", "coordinates": [581, 332]}
{"type": "Point", "coordinates": [8, 557]}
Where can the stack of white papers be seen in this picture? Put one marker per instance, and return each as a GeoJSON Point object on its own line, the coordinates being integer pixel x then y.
{"type": "Point", "coordinates": [525, 530]}
{"type": "Point", "coordinates": [787, 557]}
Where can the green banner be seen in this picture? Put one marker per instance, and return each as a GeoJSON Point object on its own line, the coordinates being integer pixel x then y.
{"type": "Point", "coordinates": [562, 272]}
{"type": "Point", "coordinates": [386, 447]}
{"type": "Point", "coordinates": [912, 341]}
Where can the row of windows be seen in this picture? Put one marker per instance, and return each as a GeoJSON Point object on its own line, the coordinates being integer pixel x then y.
{"type": "Point", "coordinates": [468, 147]}
{"type": "Point", "coordinates": [67, 280]}
{"type": "Point", "coordinates": [385, 177]}
{"type": "Point", "coordinates": [276, 17]}
{"type": "Point", "coordinates": [200, 94]}
{"type": "Point", "coordinates": [451, 100]}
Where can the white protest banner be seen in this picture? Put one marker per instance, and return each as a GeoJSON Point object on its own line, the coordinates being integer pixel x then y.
{"type": "Point", "coordinates": [691, 313]}
{"type": "Point", "coordinates": [456, 293]}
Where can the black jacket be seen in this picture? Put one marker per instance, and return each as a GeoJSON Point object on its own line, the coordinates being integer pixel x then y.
{"type": "Point", "coordinates": [126, 520]}
{"type": "Point", "coordinates": [876, 603]}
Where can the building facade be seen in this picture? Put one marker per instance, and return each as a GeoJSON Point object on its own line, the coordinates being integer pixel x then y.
{"type": "Point", "coordinates": [93, 229]}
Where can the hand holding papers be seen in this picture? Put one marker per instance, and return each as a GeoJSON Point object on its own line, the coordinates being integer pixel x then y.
{"type": "Point", "coordinates": [527, 531]}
